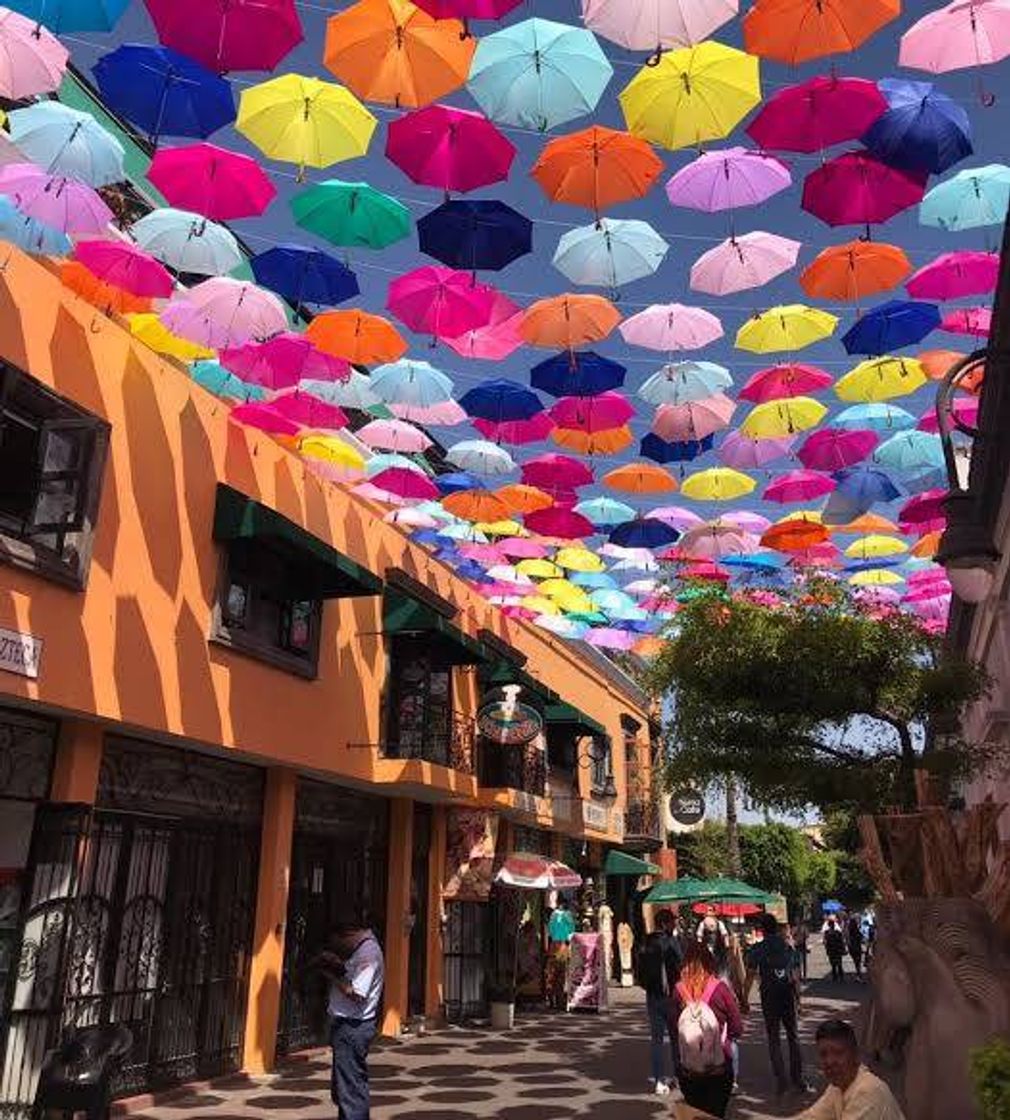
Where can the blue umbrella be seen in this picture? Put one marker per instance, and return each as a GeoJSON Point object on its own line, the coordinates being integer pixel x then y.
{"type": "Point", "coordinates": [455, 481]}
{"type": "Point", "coordinates": [913, 451]}
{"type": "Point", "coordinates": [223, 383]}
{"type": "Point", "coordinates": [164, 93]}
{"type": "Point", "coordinates": [927, 480]}
{"type": "Point", "coordinates": [755, 561]}
{"type": "Point", "coordinates": [605, 511]}
{"type": "Point", "coordinates": [67, 142]}
{"type": "Point", "coordinates": [426, 536]}
{"type": "Point", "coordinates": [922, 129]}
{"type": "Point", "coordinates": [865, 486]}
{"type": "Point", "coordinates": [874, 562]}
{"type": "Point", "coordinates": [975, 196]}
{"type": "Point", "coordinates": [840, 509]}
{"type": "Point", "coordinates": [577, 374]}
{"type": "Point", "coordinates": [499, 400]}
{"type": "Point", "coordinates": [890, 326]}
{"type": "Point", "coordinates": [592, 579]}
{"type": "Point", "coordinates": [832, 906]}
{"type": "Point", "coordinates": [31, 235]}
{"type": "Point", "coordinates": [876, 416]}
{"type": "Point", "coordinates": [644, 532]}
{"type": "Point", "coordinates": [63, 16]}
{"type": "Point", "coordinates": [304, 275]}
{"type": "Point", "coordinates": [475, 233]}
{"type": "Point", "coordinates": [663, 451]}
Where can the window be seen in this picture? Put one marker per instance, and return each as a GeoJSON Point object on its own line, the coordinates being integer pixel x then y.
{"type": "Point", "coordinates": [51, 458]}
{"type": "Point", "coordinates": [601, 765]}
{"type": "Point", "coordinates": [562, 741]}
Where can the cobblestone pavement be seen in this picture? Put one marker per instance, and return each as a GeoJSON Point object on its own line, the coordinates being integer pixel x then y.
{"type": "Point", "coordinates": [551, 1067]}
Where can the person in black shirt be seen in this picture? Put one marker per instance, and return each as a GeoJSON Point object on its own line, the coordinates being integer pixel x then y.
{"type": "Point", "coordinates": [658, 972]}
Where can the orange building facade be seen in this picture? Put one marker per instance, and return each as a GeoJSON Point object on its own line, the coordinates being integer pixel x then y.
{"type": "Point", "coordinates": [236, 704]}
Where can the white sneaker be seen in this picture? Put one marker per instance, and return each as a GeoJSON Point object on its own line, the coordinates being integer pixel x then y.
{"type": "Point", "coordinates": [662, 1088]}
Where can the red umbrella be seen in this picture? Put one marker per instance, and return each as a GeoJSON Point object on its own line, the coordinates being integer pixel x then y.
{"type": "Point", "coordinates": [832, 449]}
{"type": "Point", "coordinates": [858, 189]}
{"type": "Point", "coordinates": [817, 114]}
{"type": "Point", "coordinates": [554, 472]}
{"type": "Point", "coordinates": [309, 411]}
{"type": "Point", "coordinates": [729, 909]}
{"type": "Point", "coordinates": [787, 379]}
{"type": "Point", "coordinates": [557, 521]}
{"type": "Point", "coordinates": [404, 483]}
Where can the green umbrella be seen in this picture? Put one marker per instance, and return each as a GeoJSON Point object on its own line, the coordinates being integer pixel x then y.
{"type": "Point", "coordinates": [351, 214]}
{"type": "Point", "coordinates": [707, 890]}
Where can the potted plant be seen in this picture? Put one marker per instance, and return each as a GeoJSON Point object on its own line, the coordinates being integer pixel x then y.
{"type": "Point", "coordinates": [990, 1073]}
{"type": "Point", "coordinates": [502, 999]}
{"type": "Point", "coordinates": [503, 947]}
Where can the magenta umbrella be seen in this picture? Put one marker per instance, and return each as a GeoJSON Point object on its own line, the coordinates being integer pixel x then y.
{"type": "Point", "coordinates": [592, 414]}
{"type": "Point", "coordinates": [859, 189]}
{"type": "Point", "coordinates": [282, 361]}
{"type": "Point", "coordinates": [671, 326]}
{"type": "Point", "coordinates": [125, 266]}
{"type": "Point", "coordinates": [439, 301]}
{"type": "Point", "coordinates": [403, 483]}
{"type": "Point", "coordinates": [787, 379]}
{"type": "Point", "coordinates": [63, 204]}
{"type": "Point", "coordinates": [223, 312]}
{"type": "Point", "coordinates": [553, 471]}
{"type": "Point", "coordinates": [228, 34]}
{"type": "Point", "coordinates": [817, 114]}
{"type": "Point", "coordinates": [799, 486]}
{"type": "Point", "coordinates": [454, 149]}
{"type": "Point", "coordinates": [953, 275]}
{"type": "Point", "coordinates": [693, 420]}
{"type": "Point", "coordinates": [746, 453]}
{"type": "Point", "coordinates": [523, 548]}
{"type": "Point", "coordinates": [832, 449]}
{"type": "Point", "coordinates": [726, 179]}
{"type": "Point", "coordinates": [964, 409]}
{"type": "Point", "coordinates": [924, 507]}
{"type": "Point", "coordinates": [517, 432]}
{"type": "Point", "coordinates": [266, 418]}
{"type": "Point", "coordinates": [498, 338]}
{"type": "Point", "coordinates": [743, 262]}
{"type": "Point", "coordinates": [212, 181]}
{"type": "Point", "coordinates": [468, 9]}
{"type": "Point", "coordinates": [310, 412]}
{"type": "Point", "coordinates": [559, 521]}
{"type": "Point", "coordinates": [968, 320]}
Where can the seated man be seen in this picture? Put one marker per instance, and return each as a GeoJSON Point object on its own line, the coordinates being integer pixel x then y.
{"type": "Point", "coordinates": [853, 1092]}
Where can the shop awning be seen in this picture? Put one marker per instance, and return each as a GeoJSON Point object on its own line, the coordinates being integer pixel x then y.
{"type": "Point", "coordinates": [621, 863]}
{"type": "Point", "coordinates": [504, 672]}
{"type": "Point", "coordinates": [563, 712]}
{"type": "Point", "coordinates": [404, 615]}
{"type": "Point", "coordinates": [316, 569]}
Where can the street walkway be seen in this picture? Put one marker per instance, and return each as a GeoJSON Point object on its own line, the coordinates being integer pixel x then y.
{"type": "Point", "coordinates": [551, 1067]}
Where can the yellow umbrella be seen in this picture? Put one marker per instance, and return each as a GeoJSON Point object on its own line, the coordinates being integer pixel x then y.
{"type": "Point", "coordinates": [717, 484]}
{"type": "Point", "coordinates": [503, 528]}
{"type": "Point", "coordinates": [775, 419]}
{"type": "Point", "coordinates": [876, 544]}
{"type": "Point", "coordinates": [875, 577]}
{"type": "Point", "coordinates": [567, 595]}
{"type": "Point", "coordinates": [881, 379]}
{"type": "Point", "coordinates": [334, 454]}
{"type": "Point", "coordinates": [539, 604]}
{"type": "Point", "coordinates": [790, 326]}
{"type": "Point", "coordinates": [305, 121]}
{"type": "Point", "coordinates": [691, 95]}
{"type": "Point", "coordinates": [539, 569]}
{"type": "Point", "coordinates": [578, 560]}
{"type": "Point", "coordinates": [152, 332]}
{"type": "Point", "coordinates": [812, 515]}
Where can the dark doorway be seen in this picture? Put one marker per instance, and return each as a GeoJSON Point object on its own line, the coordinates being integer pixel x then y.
{"type": "Point", "coordinates": [418, 959]}
{"type": "Point", "coordinates": [467, 936]}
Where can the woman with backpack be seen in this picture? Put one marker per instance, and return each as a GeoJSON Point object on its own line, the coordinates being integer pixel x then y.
{"type": "Point", "coordinates": [705, 1020]}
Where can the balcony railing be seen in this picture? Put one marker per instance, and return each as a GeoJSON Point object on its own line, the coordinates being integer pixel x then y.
{"type": "Point", "coordinates": [522, 768]}
{"type": "Point", "coordinates": [642, 821]}
{"type": "Point", "coordinates": [445, 738]}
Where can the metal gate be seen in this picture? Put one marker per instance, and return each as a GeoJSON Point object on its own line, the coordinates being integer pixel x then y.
{"type": "Point", "coordinates": [467, 936]}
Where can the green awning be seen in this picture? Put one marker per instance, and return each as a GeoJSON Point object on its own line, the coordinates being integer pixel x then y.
{"type": "Point", "coordinates": [403, 614]}
{"type": "Point", "coordinates": [504, 672]}
{"type": "Point", "coordinates": [621, 863]}
{"type": "Point", "coordinates": [315, 570]}
{"type": "Point", "coordinates": [563, 712]}
{"type": "Point", "coordinates": [707, 890]}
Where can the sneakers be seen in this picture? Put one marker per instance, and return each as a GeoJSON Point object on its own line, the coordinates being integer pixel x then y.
{"type": "Point", "coordinates": [662, 1089]}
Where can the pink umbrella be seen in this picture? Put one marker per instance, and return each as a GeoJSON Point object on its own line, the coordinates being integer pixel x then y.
{"type": "Point", "coordinates": [965, 410]}
{"type": "Point", "coordinates": [671, 326]}
{"type": "Point", "coordinates": [372, 493]}
{"type": "Point", "coordinates": [523, 548]}
{"type": "Point", "coordinates": [439, 301]}
{"type": "Point", "coordinates": [228, 34]}
{"type": "Point", "coordinates": [32, 59]}
{"type": "Point", "coordinates": [609, 637]}
{"type": "Point", "coordinates": [64, 204]}
{"type": "Point", "coordinates": [453, 149]}
{"type": "Point", "coordinates": [224, 312]}
{"type": "Point", "coordinates": [746, 453]}
{"type": "Point", "coordinates": [402, 483]}
{"type": "Point", "coordinates": [960, 35]}
{"type": "Point", "coordinates": [282, 361]}
{"type": "Point", "coordinates": [925, 576]}
{"type": "Point", "coordinates": [876, 596]}
{"type": "Point", "coordinates": [309, 411]}
{"type": "Point", "coordinates": [953, 275]}
{"type": "Point", "coordinates": [817, 114]}
{"type": "Point", "coordinates": [125, 266]}
{"type": "Point", "coordinates": [393, 435]}
{"type": "Point", "coordinates": [557, 521]}
{"type": "Point", "coordinates": [787, 379]}
{"type": "Point", "coordinates": [592, 414]}
{"type": "Point", "coordinates": [415, 518]}
{"type": "Point", "coordinates": [747, 520]}
{"type": "Point", "coordinates": [799, 486]}
{"type": "Point", "coordinates": [968, 320]}
{"type": "Point", "coordinates": [726, 179]}
{"type": "Point", "coordinates": [858, 189]}
{"type": "Point", "coordinates": [266, 418]}
{"type": "Point", "coordinates": [694, 420]}
{"type": "Point", "coordinates": [498, 338]}
{"type": "Point", "coordinates": [833, 449]}
{"type": "Point", "coordinates": [705, 570]}
{"type": "Point", "coordinates": [677, 517]}
{"type": "Point", "coordinates": [743, 262]}
{"type": "Point", "coordinates": [715, 539]}
{"type": "Point", "coordinates": [517, 432]}
{"type": "Point", "coordinates": [212, 181]}
{"type": "Point", "coordinates": [553, 471]}
{"type": "Point", "coordinates": [482, 553]}
{"type": "Point", "coordinates": [444, 414]}
{"type": "Point", "coordinates": [927, 506]}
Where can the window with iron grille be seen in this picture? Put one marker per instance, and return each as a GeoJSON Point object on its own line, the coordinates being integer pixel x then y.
{"type": "Point", "coordinates": [601, 763]}
{"type": "Point", "coordinates": [420, 712]}
{"type": "Point", "coordinates": [52, 453]}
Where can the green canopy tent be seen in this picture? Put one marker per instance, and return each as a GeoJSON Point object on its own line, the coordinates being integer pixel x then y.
{"type": "Point", "coordinates": [707, 890]}
{"type": "Point", "coordinates": [622, 863]}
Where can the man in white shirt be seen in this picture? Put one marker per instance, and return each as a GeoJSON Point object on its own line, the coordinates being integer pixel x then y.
{"type": "Point", "coordinates": [355, 970]}
{"type": "Point", "coordinates": [853, 1092]}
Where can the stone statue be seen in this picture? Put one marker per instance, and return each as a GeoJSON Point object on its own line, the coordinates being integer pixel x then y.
{"type": "Point", "coordinates": [625, 945]}
{"type": "Point", "coordinates": [605, 924]}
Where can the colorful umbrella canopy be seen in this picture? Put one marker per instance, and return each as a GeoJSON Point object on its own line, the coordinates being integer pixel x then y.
{"type": "Point", "coordinates": [787, 327]}
{"type": "Point", "coordinates": [694, 420]}
{"type": "Point", "coordinates": [440, 302]}
{"type": "Point", "coordinates": [911, 451]}
{"type": "Point", "coordinates": [212, 181]}
{"type": "Point", "coordinates": [717, 484]}
{"type": "Point", "coordinates": [968, 320]}
{"type": "Point", "coordinates": [922, 128]}
{"type": "Point", "coordinates": [124, 266]}
{"type": "Point", "coordinates": [410, 382]}
{"type": "Point", "coordinates": [854, 270]}
{"type": "Point", "coordinates": [662, 451]}
{"type": "Point", "coordinates": [559, 522]}
{"type": "Point", "coordinates": [745, 452]}
{"type": "Point", "coordinates": [743, 262]}
{"type": "Point", "coordinates": [856, 188]}
{"type": "Point", "coordinates": [596, 413]}
{"type": "Point", "coordinates": [554, 472]}
{"type": "Point", "coordinates": [832, 449]}
{"type": "Point", "coordinates": [610, 253]}
{"type": "Point", "coordinates": [153, 333]}
{"type": "Point", "coordinates": [187, 242]}
{"type": "Point", "coordinates": [67, 142]}
{"type": "Point", "coordinates": [639, 478]}
{"type": "Point", "coordinates": [817, 114]}
{"type": "Point", "coordinates": [681, 382]}
{"type": "Point", "coordinates": [499, 400]}
{"type": "Point", "coordinates": [481, 457]}
{"type": "Point", "coordinates": [954, 275]}
{"type": "Point", "coordinates": [975, 196]}
{"type": "Point", "coordinates": [647, 25]}
{"type": "Point", "coordinates": [468, 9]}
{"type": "Point", "coordinates": [594, 441]}
{"type": "Point", "coordinates": [643, 533]}
{"type": "Point", "coordinates": [32, 59]}
{"type": "Point", "coordinates": [529, 430]}
{"type": "Point", "coordinates": [576, 374]}
{"type": "Point", "coordinates": [777, 419]}
{"type": "Point", "coordinates": [105, 296]}
{"type": "Point", "coordinates": [66, 16]}
{"type": "Point", "coordinates": [302, 275]}
{"type": "Point", "coordinates": [955, 37]}
{"type": "Point", "coordinates": [522, 498]}
{"type": "Point", "coordinates": [605, 512]}
{"type": "Point", "coordinates": [352, 214]}
{"type": "Point", "coordinates": [795, 31]}
{"type": "Point", "coordinates": [356, 336]}
{"type": "Point", "coordinates": [881, 379]}
{"type": "Point", "coordinates": [799, 486]}
{"type": "Point", "coordinates": [284, 361]}
{"type": "Point", "coordinates": [865, 486]}
{"type": "Point", "coordinates": [309, 412]}
{"type": "Point", "coordinates": [891, 326]}
{"type": "Point", "coordinates": [453, 149]}
{"type": "Point", "coordinates": [495, 340]}
{"type": "Point", "coordinates": [394, 435]}
{"type": "Point", "coordinates": [671, 326]}
{"type": "Point", "coordinates": [788, 379]}
{"type": "Point", "coordinates": [723, 180]}
{"type": "Point", "coordinates": [875, 416]}
{"type": "Point", "coordinates": [568, 320]}
{"type": "Point", "coordinates": [30, 234]}
{"type": "Point", "coordinates": [473, 234]}
{"type": "Point", "coordinates": [223, 312]}
{"type": "Point", "coordinates": [216, 379]}
{"type": "Point", "coordinates": [62, 204]}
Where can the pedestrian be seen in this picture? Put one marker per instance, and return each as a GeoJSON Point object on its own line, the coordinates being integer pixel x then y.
{"type": "Point", "coordinates": [658, 969]}
{"type": "Point", "coordinates": [775, 966]}
{"type": "Point", "coordinates": [854, 940]}
{"type": "Point", "coordinates": [354, 967]}
{"type": "Point", "coordinates": [706, 1018]}
{"type": "Point", "coordinates": [560, 930]}
{"type": "Point", "coordinates": [801, 935]}
{"type": "Point", "coordinates": [853, 1093]}
{"type": "Point", "coordinates": [713, 935]}
{"type": "Point", "coordinates": [834, 946]}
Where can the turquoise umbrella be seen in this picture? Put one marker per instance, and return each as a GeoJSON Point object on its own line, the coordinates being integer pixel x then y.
{"type": "Point", "coordinates": [351, 214]}
{"type": "Point", "coordinates": [975, 196]}
{"type": "Point", "coordinates": [610, 253]}
{"type": "Point", "coordinates": [63, 16]}
{"type": "Point", "coordinates": [910, 451]}
{"type": "Point", "coordinates": [355, 392]}
{"type": "Point", "coordinates": [30, 234]}
{"type": "Point", "coordinates": [592, 579]}
{"type": "Point", "coordinates": [605, 511]}
{"type": "Point", "coordinates": [538, 74]}
{"type": "Point", "coordinates": [684, 382]}
{"type": "Point", "coordinates": [67, 142]}
{"type": "Point", "coordinates": [612, 601]}
{"type": "Point", "coordinates": [223, 383]}
{"type": "Point", "coordinates": [876, 416]}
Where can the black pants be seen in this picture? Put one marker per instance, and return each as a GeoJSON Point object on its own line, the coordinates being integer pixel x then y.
{"type": "Point", "coordinates": [710, 1094]}
{"type": "Point", "coordinates": [837, 972]}
{"type": "Point", "coordinates": [856, 953]}
{"type": "Point", "coordinates": [350, 1039]}
{"type": "Point", "coordinates": [780, 1014]}
{"type": "Point", "coordinates": [804, 955]}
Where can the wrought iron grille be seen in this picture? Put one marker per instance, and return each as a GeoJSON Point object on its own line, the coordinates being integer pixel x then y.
{"type": "Point", "coordinates": [27, 745]}
{"type": "Point", "coordinates": [438, 735]}
{"type": "Point", "coordinates": [641, 819]}
{"type": "Point", "coordinates": [466, 941]}
{"type": "Point", "coordinates": [523, 768]}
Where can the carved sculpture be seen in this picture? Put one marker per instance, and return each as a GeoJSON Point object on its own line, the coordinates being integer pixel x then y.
{"type": "Point", "coordinates": [625, 945]}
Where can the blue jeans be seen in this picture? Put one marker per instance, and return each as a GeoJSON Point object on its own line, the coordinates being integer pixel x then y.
{"type": "Point", "coordinates": [659, 1029]}
{"type": "Point", "coordinates": [350, 1039]}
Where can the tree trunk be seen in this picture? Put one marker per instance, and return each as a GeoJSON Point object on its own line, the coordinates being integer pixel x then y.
{"type": "Point", "coordinates": [732, 829]}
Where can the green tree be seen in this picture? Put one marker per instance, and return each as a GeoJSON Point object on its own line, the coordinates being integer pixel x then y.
{"type": "Point", "coordinates": [703, 854]}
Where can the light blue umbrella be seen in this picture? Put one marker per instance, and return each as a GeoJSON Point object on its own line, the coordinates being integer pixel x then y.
{"type": "Point", "coordinates": [187, 242]}
{"type": "Point", "coordinates": [611, 600]}
{"type": "Point", "coordinates": [480, 456]}
{"type": "Point", "coordinates": [975, 196]}
{"type": "Point", "coordinates": [609, 253]}
{"type": "Point", "coordinates": [30, 235]}
{"type": "Point", "coordinates": [875, 417]}
{"type": "Point", "coordinates": [563, 627]}
{"type": "Point", "coordinates": [592, 579]}
{"type": "Point", "coordinates": [410, 382]}
{"type": "Point", "coordinates": [355, 392]}
{"type": "Point", "coordinates": [463, 531]}
{"type": "Point", "coordinates": [392, 460]}
{"type": "Point", "coordinates": [538, 74]}
{"type": "Point", "coordinates": [683, 382]}
{"type": "Point", "coordinates": [223, 383]}
{"type": "Point", "coordinates": [913, 451]}
{"type": "Point", "coordinates": [63, 16]}
{"type": "Point", "coordinates": [605, 511]}
{"type": "Point", "coordinates": [67, 142]}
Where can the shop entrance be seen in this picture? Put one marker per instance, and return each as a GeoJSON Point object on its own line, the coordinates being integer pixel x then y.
{"type": "Point", "coordinates": [467, 936]}
{"type": "Point", "coordinates": [417, 968]}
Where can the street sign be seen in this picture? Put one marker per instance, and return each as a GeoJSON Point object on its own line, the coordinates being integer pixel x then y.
{"type": "Point", "coordinates": [508, 716]}
{"type": "Point", "coordinates": [687, 807]}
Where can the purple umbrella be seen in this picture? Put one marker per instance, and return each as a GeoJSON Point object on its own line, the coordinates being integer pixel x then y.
{"type": "Point", "coordinates": [63, 204]}
{"type": "Point", "coordinates": [832, 449]}
{"type": "Point", "coordinates": [726, 179]}
{"type": "Point", "coordinates": [746, 453]}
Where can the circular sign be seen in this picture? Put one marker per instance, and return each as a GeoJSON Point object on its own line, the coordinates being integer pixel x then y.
{"type": "Point", "coordinates": [506, 716]}
{"type": "Point", "coordinates": [687, 807]}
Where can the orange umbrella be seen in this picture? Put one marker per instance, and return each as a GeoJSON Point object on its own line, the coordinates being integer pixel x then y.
{"type": "Point", "coordinates": [640, 478]}
{"type": "Point", "coordinates": [106, 297]}
{"type": "Point", "coordinates": [794, 536]}
{"type": "Point", "coordinates": [392, 51]}
{"type": "Point", "coordinates": [566, 321]}
{"type": "Point", "coordinates": [522, 498]}
{"type": "Point", "coordinates": [607, 442]}
{"type": "Point", "coordinates": [476, 505]}
{"type": "Point", "coordinates": [927, 546]}
{"type": "Point", "coordinates": [597, 168]}
{"type": "Point", "coordinates": [854, 270]}
{"type": "Point", "coordinates": [868, 523]}
{"type": "Point", "coordinates": [937, 364]}
{"type": "Point", "coordinates": [356, 336]}
{"type": "Point", "coordinates": [794, 31]}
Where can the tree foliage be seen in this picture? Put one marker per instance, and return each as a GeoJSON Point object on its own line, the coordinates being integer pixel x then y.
{"type": "Point", "coordinates": [810, 698]}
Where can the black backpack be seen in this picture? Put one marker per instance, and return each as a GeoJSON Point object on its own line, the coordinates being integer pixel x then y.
{"type": "Point", "coordinates": [775, 967]}
{"type": "Point", "coordinates": [651, 964]}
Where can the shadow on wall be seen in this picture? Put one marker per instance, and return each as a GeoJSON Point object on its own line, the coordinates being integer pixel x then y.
{"type": "Point", "coordinates": [139, 685]}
